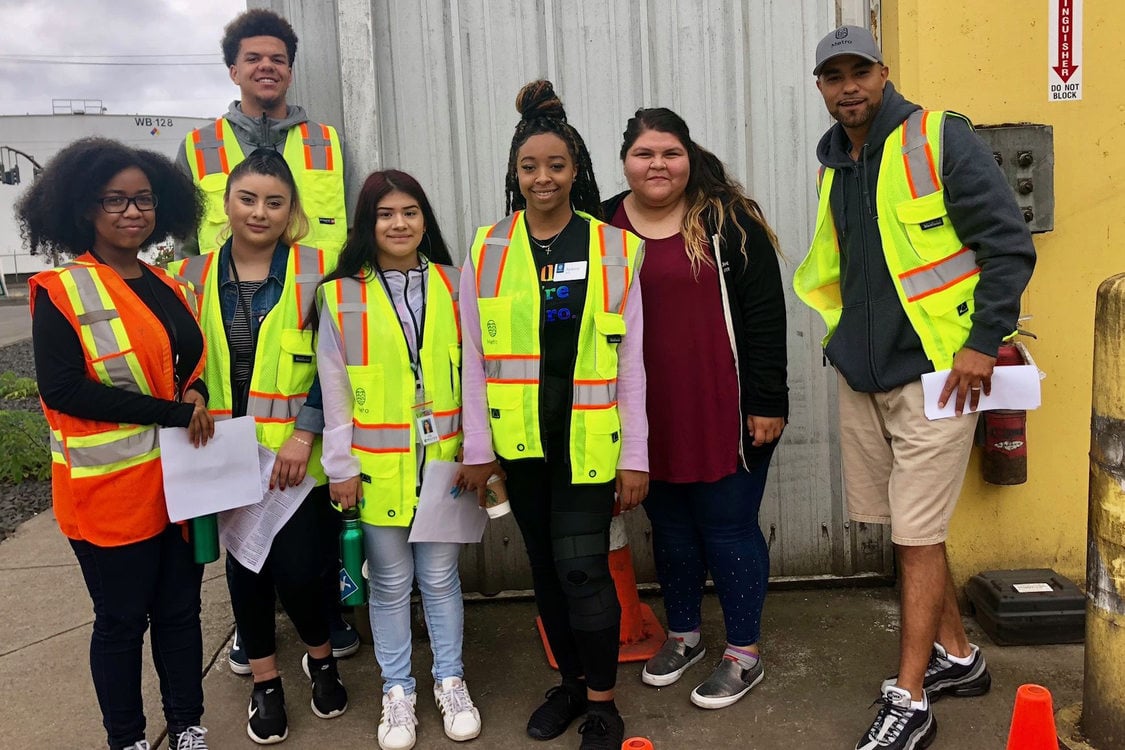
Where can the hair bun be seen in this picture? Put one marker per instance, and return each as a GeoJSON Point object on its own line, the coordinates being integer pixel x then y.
{"type": "Point", "coordinates": [538, 99]}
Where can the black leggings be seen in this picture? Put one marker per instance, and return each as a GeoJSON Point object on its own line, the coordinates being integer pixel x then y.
{"type": "Point", "coordinates": [295, 570]}
{"type": "Point", "coordinates": [565, 528]}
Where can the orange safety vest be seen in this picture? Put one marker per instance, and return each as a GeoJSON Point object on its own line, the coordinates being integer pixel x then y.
{"type": "Point", "coordinates": [108, 486]}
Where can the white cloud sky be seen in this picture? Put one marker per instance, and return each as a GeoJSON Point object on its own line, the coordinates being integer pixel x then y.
{"type": "Point", "coordinates": [118, 31]}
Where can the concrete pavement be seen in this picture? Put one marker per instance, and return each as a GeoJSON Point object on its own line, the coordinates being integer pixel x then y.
{"type": "Point", "coordinates": [825, 653]}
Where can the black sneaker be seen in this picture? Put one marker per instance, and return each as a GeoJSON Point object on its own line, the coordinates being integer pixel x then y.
{"type": "Point", "coordinates": [602, 730]}
{"type": "Point", "coordinates": [670, 662]}
{"type": "Point", "coordinates": [345, 641]}
{"type": "Point", "coordinates": [267, 723]}
{"type": "Point", "coordinates": [727, 684]}
{"type": "Point", "coordinates": [551, 719]}
{"type": "Point", "coordinates": [329, 698]}
{"type": "Point", "coordinates": [946, 677]}
{"type": "Point", "coordinates": [898, 726]}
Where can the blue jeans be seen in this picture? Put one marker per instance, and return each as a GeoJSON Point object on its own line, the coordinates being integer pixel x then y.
{"type": "Point", "coordinates": [712, 527]}
{"type": "Point", "coordinates": [392, 566]}
{"type": "Point", "coordinates": [151, 585]}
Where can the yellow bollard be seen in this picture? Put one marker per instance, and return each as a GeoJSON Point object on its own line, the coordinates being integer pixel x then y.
{"type": "Point", "coordinates": [1103, 692]}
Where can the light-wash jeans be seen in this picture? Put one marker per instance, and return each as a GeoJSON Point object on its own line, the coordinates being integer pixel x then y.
{"type": "Point", "coordinates": [392, 565]}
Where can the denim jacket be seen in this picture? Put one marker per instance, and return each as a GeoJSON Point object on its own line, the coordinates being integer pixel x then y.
{"type": "Point", "coordinates": [311, 416]}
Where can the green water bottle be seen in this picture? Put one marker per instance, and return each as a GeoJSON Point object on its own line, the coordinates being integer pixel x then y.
{"type": "Point", "coordinates": [353, 589]}
{"type": "Point", "coordinates": [205, 538]}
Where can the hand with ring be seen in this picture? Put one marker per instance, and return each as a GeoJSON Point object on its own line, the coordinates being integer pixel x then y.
{"type": "Point", "coordinates": [970, 375]}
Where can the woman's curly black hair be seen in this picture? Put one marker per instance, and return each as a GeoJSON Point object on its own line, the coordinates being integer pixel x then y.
{"type": "Point", "coordinates": [541, 111]}
{"type": "Point", "coordinates": [55, 213]}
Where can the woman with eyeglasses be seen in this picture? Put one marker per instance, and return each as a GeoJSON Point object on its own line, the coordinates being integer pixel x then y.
{"type": "Point", "coordinates": [118, 354]}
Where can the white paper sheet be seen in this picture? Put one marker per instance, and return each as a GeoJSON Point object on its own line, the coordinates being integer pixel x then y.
{"type": "Point", "coordinates": [1013, 387]}
{"type": "Point", "coordinates": [248, 532]}
{"type": "Point", "coordinates": [218, 476]}
{"type": "Point", "coordinates": [440, 516]}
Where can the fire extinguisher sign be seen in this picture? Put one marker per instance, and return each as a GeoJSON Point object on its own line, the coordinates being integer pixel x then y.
{"type": "Point", "coordinates": [1064, 51]}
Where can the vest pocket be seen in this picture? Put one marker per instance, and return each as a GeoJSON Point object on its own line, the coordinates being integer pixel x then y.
{"type": "Point", "coordinates": [368, 383]}
{"type": "Point", "coordinates": [455, 372]}
{"type": "Point", "coordinates": [928, 227]}
{"type": "Point", "coordinates": [610, 329]}
{"type": "Point", "coordinates": [322, 196]}
{"type": "Point", "coordinates": [602, 444]}
{"type": "Point", "coordinates": [949, 313]}
{"type": "Point", "coordinates": [296, 365]}
{"type": "Point", "coordinates": [496, 324]}
{"type": "Point", "coordinates": [506, 419]}
{"type": "Point", "coordinates": [214, 221]}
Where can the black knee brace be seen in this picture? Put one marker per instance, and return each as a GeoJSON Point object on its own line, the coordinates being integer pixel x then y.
{"type": "Point", "coordinates": [582, 563]}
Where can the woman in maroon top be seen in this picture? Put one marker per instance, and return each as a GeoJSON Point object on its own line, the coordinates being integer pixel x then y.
{"type": "Point", "coordinates": [714, 351]}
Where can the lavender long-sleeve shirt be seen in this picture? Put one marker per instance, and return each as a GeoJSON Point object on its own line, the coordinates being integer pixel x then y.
{"type": "Point", "coordinates": [630, 379]}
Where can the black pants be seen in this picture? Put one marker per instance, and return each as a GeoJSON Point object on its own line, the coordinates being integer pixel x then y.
{"type": "Point", "coordinates": [294, 570]}
{"type": "Point", "coordinates": [153, 585]}
{"type": "Point", "coordinates": [565, 528]}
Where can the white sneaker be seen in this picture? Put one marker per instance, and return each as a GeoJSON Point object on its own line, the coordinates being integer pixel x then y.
{"type": "Point", "coordinates": [460, 716]}
{"type": "Point", "coordinates": [140, 745]}
{"type": "Point", "coordinates": [396, 728]}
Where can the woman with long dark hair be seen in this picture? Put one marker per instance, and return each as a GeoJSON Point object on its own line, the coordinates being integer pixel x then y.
{"type": "Point", "coordinates": [389, 348]}
{"type": "Point", "coordinates": [554, 387]}
{"type": "Point", "coordinates": [118, 353]}
{"type": "Point", "coordinates": [717, 396]}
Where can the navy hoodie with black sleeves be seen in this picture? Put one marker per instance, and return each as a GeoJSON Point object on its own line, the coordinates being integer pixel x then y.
{"type": "Point", "coordinates": [875, 347]}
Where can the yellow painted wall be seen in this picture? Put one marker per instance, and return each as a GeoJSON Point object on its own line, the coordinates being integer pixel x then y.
{"type": "Point", "coordinates": [989, 61]}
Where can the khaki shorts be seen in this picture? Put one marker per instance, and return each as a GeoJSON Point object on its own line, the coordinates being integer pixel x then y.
{"type": "Point", "coordinates": [899, 467]}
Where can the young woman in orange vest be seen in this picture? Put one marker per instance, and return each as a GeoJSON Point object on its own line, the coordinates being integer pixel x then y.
{"type": "Point", "coordinates": [118, 354]}
{"type": "Point", "coordinates": [554, 385]}
{"type": "Point", "coordinates": [389, 354]}
{"type": "Point", "coordinates": [254, 292]}
{"type": "Point", "coordinates": [713, 288]}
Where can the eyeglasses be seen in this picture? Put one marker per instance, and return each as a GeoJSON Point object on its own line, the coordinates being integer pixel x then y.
{"type": "Point", "coordinates": [119, 204]}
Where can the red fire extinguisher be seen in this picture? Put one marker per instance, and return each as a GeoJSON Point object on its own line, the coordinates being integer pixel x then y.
{"type": "Point", "coordinates": [1004, 431]}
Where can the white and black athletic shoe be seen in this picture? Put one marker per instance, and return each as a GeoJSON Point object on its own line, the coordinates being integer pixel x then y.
{"type": "Point", "coordinates": [267, 723]}
{"type": "Point", "coordinates": [329, 698]}
{"type": "Point", "coordinates": [946, 677]}
{"type": "Point", "coordinates": [898, 726]}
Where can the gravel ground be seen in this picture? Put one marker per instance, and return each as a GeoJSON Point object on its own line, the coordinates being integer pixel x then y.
{"type": "Point", "coordinates": [22, 501]}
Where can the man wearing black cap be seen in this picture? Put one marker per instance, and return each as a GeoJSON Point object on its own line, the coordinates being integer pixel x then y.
{"type": "Point", "coordinates": [917, 264]}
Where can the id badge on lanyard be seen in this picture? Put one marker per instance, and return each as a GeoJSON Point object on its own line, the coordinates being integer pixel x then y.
{"type": "Point", "coordinates": [424, 419]}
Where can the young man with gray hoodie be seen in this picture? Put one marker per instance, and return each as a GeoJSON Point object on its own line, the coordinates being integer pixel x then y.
{"type": "Point", "coordinates": [917, 264]}
{"type": "Point", "coordinates": [259, 48]}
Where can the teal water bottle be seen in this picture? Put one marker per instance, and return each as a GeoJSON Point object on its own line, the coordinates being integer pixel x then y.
{"type": "Point", "coordinates": [353, 590]}
{"type": "Point", "coordinates": [205, 538]}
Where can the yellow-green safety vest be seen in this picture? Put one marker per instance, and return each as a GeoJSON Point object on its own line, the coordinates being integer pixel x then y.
{"type": "Point", "coordinates": [933, 271]}
{"type": "Point", "coordinates": [384, 431]}
{"type": "Point", "coordinates": [312, 151]}
{"type": "Point", "coordinates": [509, 300]}
{"type": "Point", "coordinates": [284, 358]}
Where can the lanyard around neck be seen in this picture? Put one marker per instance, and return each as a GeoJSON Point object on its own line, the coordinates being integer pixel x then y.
{"type": "Point", "coordinates": [415, 354]}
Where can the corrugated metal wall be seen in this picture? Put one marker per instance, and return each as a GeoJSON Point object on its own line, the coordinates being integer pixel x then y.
{"type": "Point", "coordinates": [428, 86]}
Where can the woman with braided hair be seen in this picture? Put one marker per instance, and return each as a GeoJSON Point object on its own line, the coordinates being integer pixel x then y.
{"type": "Point", "coordinates": [553, 389]}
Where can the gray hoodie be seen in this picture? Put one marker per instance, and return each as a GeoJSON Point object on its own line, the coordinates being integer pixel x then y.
{"type": "Point", "coordinates": [875, 347]}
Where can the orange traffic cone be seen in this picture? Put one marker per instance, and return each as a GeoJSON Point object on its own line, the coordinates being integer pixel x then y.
{"type": "Point", "coordinates": [1033, 720]}
{"type": "Point", "coordinates": [641, 633]}
{"type": "Point", "coordinates": [637, 743]}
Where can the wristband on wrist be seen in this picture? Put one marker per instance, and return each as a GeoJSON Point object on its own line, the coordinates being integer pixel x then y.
{"type": "Point", "coordinates": [302, 441]}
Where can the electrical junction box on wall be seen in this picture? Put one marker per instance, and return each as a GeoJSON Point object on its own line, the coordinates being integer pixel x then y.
{"type": "Point", "coordinates": [1026, 155]}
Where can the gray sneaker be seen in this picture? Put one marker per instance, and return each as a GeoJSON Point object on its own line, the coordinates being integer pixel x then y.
{"type": "Point", "coordinates": [670, 662]}
{"type": "Point", "coordinates": [727, 684]}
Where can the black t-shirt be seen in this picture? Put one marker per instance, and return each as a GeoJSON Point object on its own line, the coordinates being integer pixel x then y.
{"type": "Point", "coordinates": [60, 363]}
{"type": "Point", "coordinates": [563, 264]}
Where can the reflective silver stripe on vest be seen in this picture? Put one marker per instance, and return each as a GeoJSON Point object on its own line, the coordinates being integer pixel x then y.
{"type": "Point", "coordinates": [209, 144]}
{"type": "Point", "coordinates": [353, 320]}
{"type": "Point", "coordinates": [453, 276]}
{"type": "Point", "coordinates": [510, 370]}
{"type": "Point", "coordinates": [194, 269]}
{"type": "Point", "coordinates": [927, 280]}
{"type": "Point", "coordinates": [307, 277]}
{"type": "Point", "coordinates": [497, 241]}
{"type": "Point", "coordinates": [595, 394]}
{"type": "Point", "coordinates": [56, 448]}
{"type": "Point", "coordinates": [448, 425]}
{"type": "Point", "coordinates": [316, 147]}
{"type": "Point", "coordinates": [914, 152]}
{"type": "Point", "coordinates": [393, 439]}
{"type": "Point", "coordinates": [262, 407]}
{"type": "Point", "coordinates": [122, 449]}
{"type": "Point", "coordinates": [616, 268]}
{"type": "Point", "coordinates": [97, 319]}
